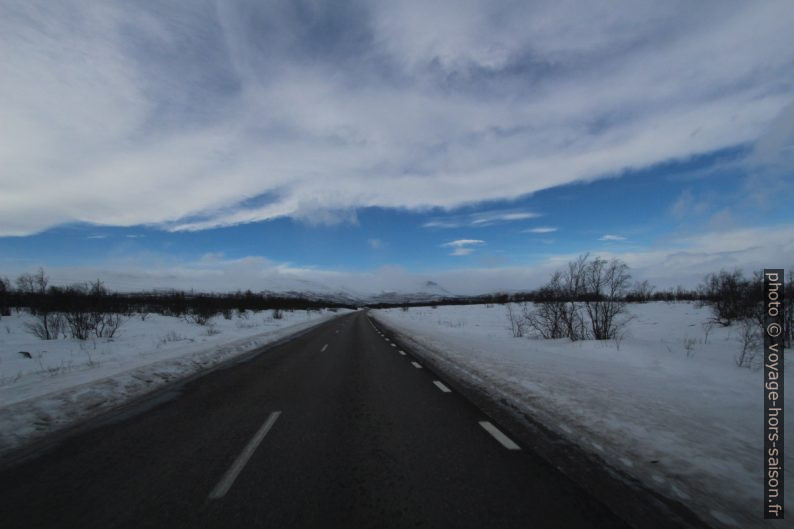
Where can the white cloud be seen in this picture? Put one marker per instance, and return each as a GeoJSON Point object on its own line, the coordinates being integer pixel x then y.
{"type": "Point", "coordinates": [687, 205]}
{"type": "Point", "coordinates": [441, 224]}
{"type": "Point", "coordinates": [480, 219]}
{"type": "Point", "coordinates": [541, 230]}
{"type": "Point", "coordinates": [375, 244]}
{"type": "Point", "coordinates": [462, 247]}
{"type": "Point", "coordinates": [498, 101]}
{"type": "Point", "coordinates": [484, 219]}
{"type": "Point", "coordinates": [463, 242]}
{"type": "Point", "coordinates": [609, 237]}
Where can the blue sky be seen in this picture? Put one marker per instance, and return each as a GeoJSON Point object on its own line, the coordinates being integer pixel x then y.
{"type": "Point", "coordinates": [369, 146]}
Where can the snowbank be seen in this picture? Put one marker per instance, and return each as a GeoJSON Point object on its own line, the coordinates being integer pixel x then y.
{"type": "Point", "coordinates": [48, 384]}
{"type": "Point", "coordinates": [665, 406]}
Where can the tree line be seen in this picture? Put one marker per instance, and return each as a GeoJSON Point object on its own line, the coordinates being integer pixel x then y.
{"type": "Point", "coordinates": [90, 309]}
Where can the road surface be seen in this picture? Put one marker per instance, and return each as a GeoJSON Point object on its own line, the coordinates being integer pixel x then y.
{"type": "Point", "coordinates": [339, 427]}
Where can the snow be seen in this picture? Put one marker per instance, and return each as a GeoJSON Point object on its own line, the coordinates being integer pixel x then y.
{"type": "Point", "coordinates": [663, 405]}
{"type": "Point", "coordinates": [67, 380]}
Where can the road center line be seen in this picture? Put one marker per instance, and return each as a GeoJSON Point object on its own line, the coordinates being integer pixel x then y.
{"type": "Point", "coordinates": [497, 434]}
{"type": "Point", "coordinates": [417, 365]}
{"type": "Point", "coordinates": [324, 348]}
{"type": "Point", "coordinates": [440, 385]}
{"type": "Point", "coordinates": [393, 345]}
{"type": "Point", "coordinates": [401, 352]}
{"type": "Point", "coordinates": [227, 480]}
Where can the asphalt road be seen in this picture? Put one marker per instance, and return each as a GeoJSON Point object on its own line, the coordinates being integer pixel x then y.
{"type": "Point", "coordinates": [335, 428]}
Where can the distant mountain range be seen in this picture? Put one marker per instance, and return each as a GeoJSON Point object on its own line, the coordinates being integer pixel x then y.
{"type": "Point", "coordinates": [427, 291]}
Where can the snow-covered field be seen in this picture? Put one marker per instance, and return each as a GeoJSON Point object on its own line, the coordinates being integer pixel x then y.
{"type": "Point", "coordinates": [665, 405]}
{"type": "Point", "coordinates": [65, 380]}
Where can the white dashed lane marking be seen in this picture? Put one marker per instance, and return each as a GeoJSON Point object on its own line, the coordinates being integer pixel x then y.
{"type": "Point", "coordinates": [440, 385]}
{"type": "Point", "coordinates": [497, 434]}
{"type": "Point", "coordinates": [227, 480]}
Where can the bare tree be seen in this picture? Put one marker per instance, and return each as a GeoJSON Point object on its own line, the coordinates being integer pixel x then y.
{"type": "Point", "coordinates": [80, 321]}
{"type": "Point", "coordinates": [605, 285]}
{"type": "Point", "coordinates": [731, 296]}
{"type": "Point", "coordinates": [641, 292]}
{"type": "Point", "coordinates": [88, 312]}
{"type": "Point", "coordinates": [592, 287]}
{"type": "Point", "coordinates": [573, 288]}
{"type": "Point", "coordinates": [548, 318]}
{"type": "Point", "coordinates": [34, 286]}
{"type": "Point", "coordinates": [556, 314]}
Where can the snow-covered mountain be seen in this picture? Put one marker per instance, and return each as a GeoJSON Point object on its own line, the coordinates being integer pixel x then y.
{"type": "Point", "coordinates": [425, 291]}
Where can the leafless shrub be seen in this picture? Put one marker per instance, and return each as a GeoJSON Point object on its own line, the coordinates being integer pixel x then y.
{"type": "Point", "coordinates": [91, 362]}
{"type": "Point", "coordinates": [618, 338]}
{"type": "Point", "coordinates": [109, 325]}
{"type": "Point", "coordinates": [547, 320]}
{"type": "Point", "coordinates": [708, 326]}
{"type": "Point", "coordinates": [585, 300]}
{"type": "Point", "coordinates": [197, 318]}
{"type": "Point", "coordinates": [278, 314]}
{"type": "Point", "coordinates": [171, 336]}
{"type": "Point", "coordinates": [81, 324]}
{"type": "Point", "coordinates": [752, 342]}
{"type": "Point", "coordinates": [731, 296]}
{"type": "Point", "coordinates": [605, 284]}
{"type": "Point", "coordinates": [689, 347]}
{"type": "Point", "coordinates": [641, 292]}
{"type": "Point", "coordinates": [558, 313]}
{"type": "Point", "coordinates": [515, 319]}
{"type": "Point", "coordinates": [48, 326]}
{"type": "Point", "coordinates": [572, 289]}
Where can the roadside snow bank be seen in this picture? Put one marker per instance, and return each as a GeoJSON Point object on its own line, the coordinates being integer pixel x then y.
{"type": "Point", "coordinates": [48, 384]}
{"type": "Point", "coordinates": [666, 407]}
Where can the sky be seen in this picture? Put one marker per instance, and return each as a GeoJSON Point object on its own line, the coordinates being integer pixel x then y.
{"type": "Point", "coordinates": [373, 146]}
